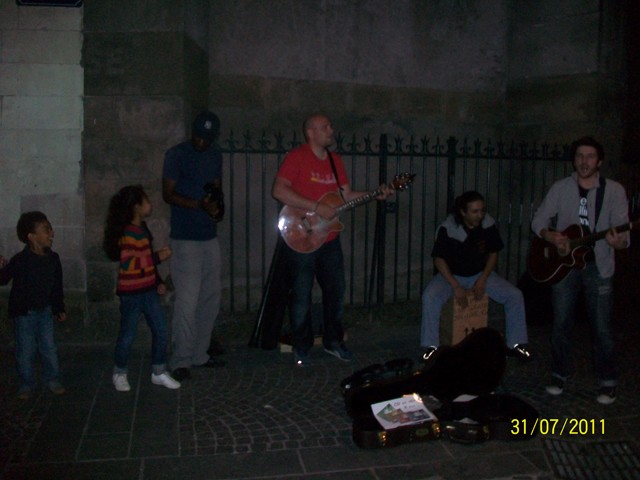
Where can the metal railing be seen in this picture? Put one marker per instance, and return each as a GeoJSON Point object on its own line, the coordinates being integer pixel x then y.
{"type": "Point", "coordinates": [513, 177]}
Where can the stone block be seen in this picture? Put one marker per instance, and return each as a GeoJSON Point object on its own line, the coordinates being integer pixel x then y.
{"type": "Point", "coordinates": [100, 118]}
{"type": "Point", "coordinates": [525, 11]}
{"type": "Point", "coordinates": [18, 144]}
{"type": "Point", "coordinates": [153, 119]}
{"type": "Point", "coordinates": [74, 272]}
{"type": "Point", "coordinates": [41, 80]}
{"type": "Point", "coordinates": [32, 112]}
{"type": "Point", "coordinates": [371, 99]}
{"type": "Point", "coordinates": [101, 281]}
{"type": "Point", "coordinates": [560, 46]}
{"type": "Point", "coordinates": [50, 18]}
{"type": "Point", "coordinates": [64, 211]}
{"type": "Point", "coordinates": [8, 15]}
{"type": "Point", "coordinates": [246, 91]}
{"type": "Point", "coordinates": [69, 241]}
{"type": "Point", "coordinates": [42, 46]}
{"type": "Point", "coordinates": [139, 63]}
{"type": "Point", "coordinates": [94, 250]}
{"type": "Point", "coordinates": [142, 15]}
{"type": "Point", "coordinates": [566, 99]}
{"type": "Point", "coordinates": [9, 211]}
{"type": "Point", "coordinates": [64, 145]}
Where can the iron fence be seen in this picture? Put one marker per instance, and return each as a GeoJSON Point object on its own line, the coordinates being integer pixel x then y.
{"type": "Point", "coordinates": [387, 246]}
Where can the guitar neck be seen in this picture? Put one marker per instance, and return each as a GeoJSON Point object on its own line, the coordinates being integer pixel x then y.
{"type": "Point", "coordinates": [361, 200]}
{"type": "Point", "coordinates": [594, 237]}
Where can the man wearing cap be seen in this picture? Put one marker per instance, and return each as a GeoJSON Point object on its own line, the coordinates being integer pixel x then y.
{"type": "Point", "coordinates": [191, 169]}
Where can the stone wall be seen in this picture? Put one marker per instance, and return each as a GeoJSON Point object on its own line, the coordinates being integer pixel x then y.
{"type": "Point", "coordinates": [131, 75]}
{"type": "Point", "coordinates": [398, 67]}
{"type": "Point", "coordinates": [145, 76]}
{"type": "Point", "coordinates": [567, 72]}
{"type": "Point", "coordinates": [41, 120]}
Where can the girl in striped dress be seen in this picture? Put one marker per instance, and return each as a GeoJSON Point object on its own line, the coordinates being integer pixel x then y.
{"type": "Point", "coordinates": [128, 240]}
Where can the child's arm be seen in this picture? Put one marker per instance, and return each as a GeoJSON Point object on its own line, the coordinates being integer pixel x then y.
{"type": "Point", "coordinates": [57, 293]}
{"type": "Point", "coordinates": [158, 257]}
{"type": "Point", "coordinates": [6, 271]}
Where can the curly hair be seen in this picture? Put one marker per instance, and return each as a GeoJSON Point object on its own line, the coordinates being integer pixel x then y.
{"type": "Point", "coordinates": [587, 141]}
{"type": "Point", "coordinates": [27, 224]}
{"type": "Point", "coordinates": [119, 216]}
{"type": "Point", "coordinates": [463, 201]}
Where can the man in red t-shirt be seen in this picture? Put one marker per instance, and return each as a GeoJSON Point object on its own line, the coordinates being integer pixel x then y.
{"type": "Point", "coordinates": [304, 177]}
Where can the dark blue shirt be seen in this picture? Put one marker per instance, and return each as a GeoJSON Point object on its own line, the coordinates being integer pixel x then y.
{"type": "Point", "coordinates": [37, 282]}
{"type": "Point", "coordinates": [192, 170]}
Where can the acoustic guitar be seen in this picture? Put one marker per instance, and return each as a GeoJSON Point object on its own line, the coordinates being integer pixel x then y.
{"type": "Point", "coordinates": [546, 264]}
{"type": "Point", "coordinates": [305, 231]}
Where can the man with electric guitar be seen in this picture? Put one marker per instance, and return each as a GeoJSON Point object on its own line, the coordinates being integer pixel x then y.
{"type": "Point", "coordinates": [313, 185]}
{"type": "Point", "coordinates": [575, 206]}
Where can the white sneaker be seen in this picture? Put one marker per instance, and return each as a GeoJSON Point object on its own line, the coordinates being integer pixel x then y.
{"type": "Point", "coordinates": [165, 380]}
{"type": "Point", "coordinates": [120, 382]}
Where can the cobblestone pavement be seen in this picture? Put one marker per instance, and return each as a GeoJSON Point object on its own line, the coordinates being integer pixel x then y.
{"type": "Point", "coordinates": [260, 417]}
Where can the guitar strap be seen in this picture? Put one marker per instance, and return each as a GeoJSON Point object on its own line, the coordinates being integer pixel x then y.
{"type": "Point", "coordinates": [335, 174]}
{"type": "Point", "coordinates": [599, 199]}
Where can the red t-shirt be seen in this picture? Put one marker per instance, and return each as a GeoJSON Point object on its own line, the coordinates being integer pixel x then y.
{"type": "Point", "coordinates": [311, 176]}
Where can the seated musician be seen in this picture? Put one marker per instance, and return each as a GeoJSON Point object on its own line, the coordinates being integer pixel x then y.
{"type": "Point", "coordinates": [466, 254]}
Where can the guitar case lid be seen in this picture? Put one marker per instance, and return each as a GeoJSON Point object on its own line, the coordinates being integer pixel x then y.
{"type": "Point", "coordinates": [474, 366]}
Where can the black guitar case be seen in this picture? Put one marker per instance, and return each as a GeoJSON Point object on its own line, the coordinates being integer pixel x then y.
{"type": "Point", "coordinates": [473, 367]}
{"type": "Point", "coordinates": [275, 300]}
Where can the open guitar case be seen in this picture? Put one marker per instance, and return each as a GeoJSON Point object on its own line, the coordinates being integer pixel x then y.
{"type": "Point", "coordinates": [469, 371]}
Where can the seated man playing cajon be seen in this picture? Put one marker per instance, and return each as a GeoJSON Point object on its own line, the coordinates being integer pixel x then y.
{"type": "Point", "coordinates": [465, 255]}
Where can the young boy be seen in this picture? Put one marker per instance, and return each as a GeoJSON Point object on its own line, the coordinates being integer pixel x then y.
{"type": "Point", "coordinates": [35, 298]}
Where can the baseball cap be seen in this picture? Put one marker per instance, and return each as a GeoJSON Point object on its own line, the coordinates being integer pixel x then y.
{"type": "Point", "coordinates": [206, 126]}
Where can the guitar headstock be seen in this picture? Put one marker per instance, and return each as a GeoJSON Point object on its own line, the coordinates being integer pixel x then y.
{"type": "Point", "coordinates": [402, 181]}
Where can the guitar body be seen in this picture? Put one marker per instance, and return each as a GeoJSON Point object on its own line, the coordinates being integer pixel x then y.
{"type": "Point", "coordinates": [304, 231]}
{"type": "Point", "coordinates": [547, 265]}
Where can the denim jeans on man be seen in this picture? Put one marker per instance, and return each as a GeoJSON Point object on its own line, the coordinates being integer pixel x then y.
{"type": "Point", "coordinates": [195, 271]}
{"type": "Point", "coordinates": [131, 308]}
{"type": "Point", "coordinates": [327, 265]}
{"type": "Point", "coordinates": [34, 333]}
{"type": "Point", "coordinates": [438, 291]}
{"type": "Point", "coordinates": [598, 297]}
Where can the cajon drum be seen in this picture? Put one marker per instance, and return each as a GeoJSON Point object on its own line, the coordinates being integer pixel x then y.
{"type": "Point", "coordinates": [456, 322]}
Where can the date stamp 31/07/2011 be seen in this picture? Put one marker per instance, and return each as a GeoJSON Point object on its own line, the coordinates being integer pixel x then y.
{"type": "Point", "coordinates": [558, 426]}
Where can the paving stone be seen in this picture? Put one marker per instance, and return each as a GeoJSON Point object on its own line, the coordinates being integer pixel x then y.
{"type": "Point", "coordinates": [260, 417]}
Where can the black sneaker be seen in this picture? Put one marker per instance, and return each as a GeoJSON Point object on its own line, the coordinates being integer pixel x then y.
{"type": "Point", "coordinates": [521, 352]}
{"type": "Point", "coordinates": [606, 395]}
{"type": "Point", "coordinates": [429, 353]}
{"type": "Point", "coordinates": [556, 386]}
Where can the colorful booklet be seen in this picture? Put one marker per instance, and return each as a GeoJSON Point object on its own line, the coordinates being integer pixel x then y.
{"type": "Point", "coordinates": [400, 412]}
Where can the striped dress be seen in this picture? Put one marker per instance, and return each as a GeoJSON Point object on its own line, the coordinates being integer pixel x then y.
{"type": "Point", "coordinates": [137, 272]}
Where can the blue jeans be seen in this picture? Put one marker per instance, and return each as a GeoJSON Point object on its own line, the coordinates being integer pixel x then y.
{"type": "Point", "coordinates": [195, 271]}
{"type": "Point", "coordinates": [34, 332]}
{"type": "Point", "coordinates": [131, 307]}
{"type": "Point", "coordinates": [327, 265]}
{"type": "Point", "coordinates": [598, 296]}
{"type": "Point", "coordinates": [438, 291]}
